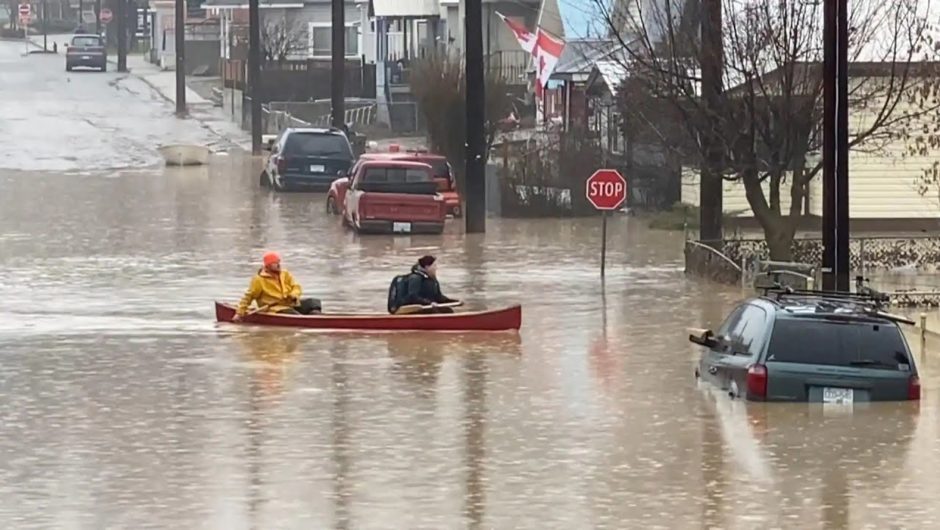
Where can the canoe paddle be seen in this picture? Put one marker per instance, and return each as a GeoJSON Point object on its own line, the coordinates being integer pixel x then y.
{"type": "Point", "coordinates": [416, 308]}
{"type": "Point", "coordinates": [253, 311]}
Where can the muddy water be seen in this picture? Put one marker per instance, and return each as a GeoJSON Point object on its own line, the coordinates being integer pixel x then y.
{"type": "Point", "coordinates": [124, 406]}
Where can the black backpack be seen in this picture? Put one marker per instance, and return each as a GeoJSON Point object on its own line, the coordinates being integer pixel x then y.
{"type": "Point", "coordinates": [397, 292]}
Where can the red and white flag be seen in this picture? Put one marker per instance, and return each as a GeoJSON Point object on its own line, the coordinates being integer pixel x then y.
{"type": "Point", "coordinates": [544, 47]}
{"type": "Point", "coordinates": [526, 38]}
{"type": "Point", "coordinates": [547, 52]}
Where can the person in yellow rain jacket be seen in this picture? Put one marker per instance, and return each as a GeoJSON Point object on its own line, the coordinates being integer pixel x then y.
{"type": "Point", "coordinates": [275, 291]}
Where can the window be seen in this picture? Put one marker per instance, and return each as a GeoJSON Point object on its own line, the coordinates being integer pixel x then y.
{"type": "Point", "coordinates": [321, 40]}
{"type": "Point", "coordinates": [86, 42]}
{"type": "Point", "coordinates": [750, 337]}
{"type": "Point", "coordinates": [725, 330]}
{"type": "Point", "coordinates": [742, 331]}
{"type": "Point", "coordinates": [317, 144]}
{"type": "Point", "coordinates": [839, 343]}
{"type": "Point", "coordinates": [375, 175]}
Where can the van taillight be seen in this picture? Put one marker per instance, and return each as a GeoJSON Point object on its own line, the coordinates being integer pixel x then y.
{"type": "Point", "coordinates": [757, 381]}
{"type": "Point", "coordinates": [913, 388]}
{"type": "Point", "coordinates": [281, 165]}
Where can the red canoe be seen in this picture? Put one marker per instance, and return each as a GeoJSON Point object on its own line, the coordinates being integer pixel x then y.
{"type": "Point", "coordinates": [509, 318]}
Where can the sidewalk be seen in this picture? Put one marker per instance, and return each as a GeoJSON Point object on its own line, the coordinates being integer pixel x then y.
{"type": "Point", "coordinates": [163, 84]}
{"type": "Point", "coordinates": [163, 81]}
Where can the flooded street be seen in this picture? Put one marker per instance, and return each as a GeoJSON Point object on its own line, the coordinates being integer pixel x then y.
{"type": "Point", "coordinates": [124, 405]}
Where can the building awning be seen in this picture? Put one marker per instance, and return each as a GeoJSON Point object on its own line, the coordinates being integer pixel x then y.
{"type": "Point", "coordinates": [406, 8]}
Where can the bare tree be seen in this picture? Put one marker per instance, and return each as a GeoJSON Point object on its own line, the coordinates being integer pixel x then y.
{"type": "Point", "coordinates": [282, 38]}
{"type": "Point", "coordinates": [13, 9]}
{"type": "Point", "coordinates": [768, 117]}
{"type": "Point", "coordinates": [440, 89]}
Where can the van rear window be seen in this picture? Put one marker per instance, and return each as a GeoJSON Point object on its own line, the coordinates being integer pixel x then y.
{"type": "Point", "coordinates": [838, 343]}
{"type": "Point", "coordinates": [317, 144]}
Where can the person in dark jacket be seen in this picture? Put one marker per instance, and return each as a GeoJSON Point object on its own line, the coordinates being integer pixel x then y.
{"type": "Point", "coordinates": [424, 289]}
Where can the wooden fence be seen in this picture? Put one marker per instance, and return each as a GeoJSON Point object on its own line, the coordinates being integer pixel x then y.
{"type": "Point", "coordinates": [302, 80]}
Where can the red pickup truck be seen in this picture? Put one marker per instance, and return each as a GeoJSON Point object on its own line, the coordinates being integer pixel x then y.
{"type": "Point", "coordinates": [393, 196]}
{"type": "Point", "coordinates": [443, 176]}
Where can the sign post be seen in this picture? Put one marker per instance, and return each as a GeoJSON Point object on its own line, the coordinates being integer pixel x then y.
{"type": "Point", "coordinates": [606, 190]}
{"type": "Point", "coordinates": [25, 12]}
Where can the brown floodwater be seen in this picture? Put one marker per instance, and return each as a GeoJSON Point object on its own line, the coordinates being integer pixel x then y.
{"type": "Point", "coordinates": [124, 405]}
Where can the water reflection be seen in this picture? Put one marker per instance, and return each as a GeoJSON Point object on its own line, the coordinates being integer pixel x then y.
{"type": "Point", "coordinates": [341, 438]}
{"type": "Point", "coordinates": [474, 424]}
{"type": "Point", "coordinates": [807, 456]}
{"type": "Point", "coordinates": [271, 354]}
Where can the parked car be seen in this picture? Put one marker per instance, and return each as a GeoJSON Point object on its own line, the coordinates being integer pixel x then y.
{"type": "Point", "coordinates": [442, 174]}
{"type": "Point", "coordinates": [394, 196]}
{"type": "Point", "coordinates": [88, 51]}
{"type": "Point", "coordinates": [307, 159]}
{"type": "Point", "coordinates": [809, 346]}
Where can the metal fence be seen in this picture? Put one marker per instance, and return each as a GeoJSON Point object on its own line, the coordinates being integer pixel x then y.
{"type": "Point", "coordinates": [405, 117]}
{"type": "Point", "coordinates": [273, 121]}
{"type": "Point", "coordinates": [360, 116]}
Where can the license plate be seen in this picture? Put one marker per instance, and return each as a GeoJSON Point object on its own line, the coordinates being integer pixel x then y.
{"type": "Point", "coordinates": [86, 57]}
{"type": "Point", "coordinates": [841, 396]}
{"type": "Point", "coordinates": [317, 169]}
{"type": "Point", "coordinates": [401, 227]}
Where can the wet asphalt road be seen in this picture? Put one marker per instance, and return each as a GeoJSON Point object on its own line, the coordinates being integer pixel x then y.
{"type": "Point", "coordinates": [123, 405]}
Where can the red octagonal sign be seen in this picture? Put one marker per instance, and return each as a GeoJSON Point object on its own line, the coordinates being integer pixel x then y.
{"type": "Point", "coordinates": [606, 189]}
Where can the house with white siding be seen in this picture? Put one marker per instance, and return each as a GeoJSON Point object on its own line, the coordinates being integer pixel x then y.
{"type": "Point", "coordinates": [309, 23]}
{"type": "Point", "coordinates": [886, 185]}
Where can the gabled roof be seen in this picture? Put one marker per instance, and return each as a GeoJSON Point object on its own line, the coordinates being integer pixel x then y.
{"type": "Point", "coordinates": [579, 55]}
{"type": "Point", "coordinates": [612, 73]}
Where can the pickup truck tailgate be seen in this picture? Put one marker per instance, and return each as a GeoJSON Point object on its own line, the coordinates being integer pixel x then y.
{"type": "Point", "coordinates": [402, 207]}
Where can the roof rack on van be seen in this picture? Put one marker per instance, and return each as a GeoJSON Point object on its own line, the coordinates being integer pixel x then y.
{"type": "Point", "coordinates": [869, 302]}
{"type": "Point", "coordinates": [780, 293]}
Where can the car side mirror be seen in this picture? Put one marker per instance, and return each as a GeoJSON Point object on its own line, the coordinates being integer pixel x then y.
{"type": "Point", "coordinates": [703, 337]}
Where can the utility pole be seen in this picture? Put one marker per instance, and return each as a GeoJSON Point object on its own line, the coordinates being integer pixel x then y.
{"type": "Point", "coordinates": [337, 82]}
{"type": "Point", "coordinates": [476, 116]}
{"type": "Point", "coordinates": [180, 34]}
{"type": "Point", "coordinates": [81, 14]}
{"type": "Point", "coordinates": [122, 35]}
{"type": "Point", "coordinates": [45, 33]}
{"type": "Point", "coordinates": [835, 146]}
{"type": "Point", "coordinates": [254, 73]}
{"type": "Point", "coordinates": [711, 191]}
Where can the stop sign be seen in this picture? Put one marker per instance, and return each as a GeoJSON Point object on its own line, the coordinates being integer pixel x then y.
{"type": "Point", "coordinates": [106, 15]}
{"type": "Point", "coordinates": [606, 189]}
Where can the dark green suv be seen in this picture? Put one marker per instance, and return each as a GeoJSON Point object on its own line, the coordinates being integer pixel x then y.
{"type": "Point", "coordinates": [809, 346]}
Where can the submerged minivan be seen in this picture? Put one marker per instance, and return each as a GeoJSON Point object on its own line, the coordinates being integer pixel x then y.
{"type": "Point", "coordinates": [810, 347]}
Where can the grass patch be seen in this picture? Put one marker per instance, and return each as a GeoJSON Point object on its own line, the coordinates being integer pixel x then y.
{"type": "Point", "coordinates": [679, 217]}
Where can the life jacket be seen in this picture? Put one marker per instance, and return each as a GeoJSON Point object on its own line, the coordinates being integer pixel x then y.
{"type": "Point", "coordinates": [397, 292]}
